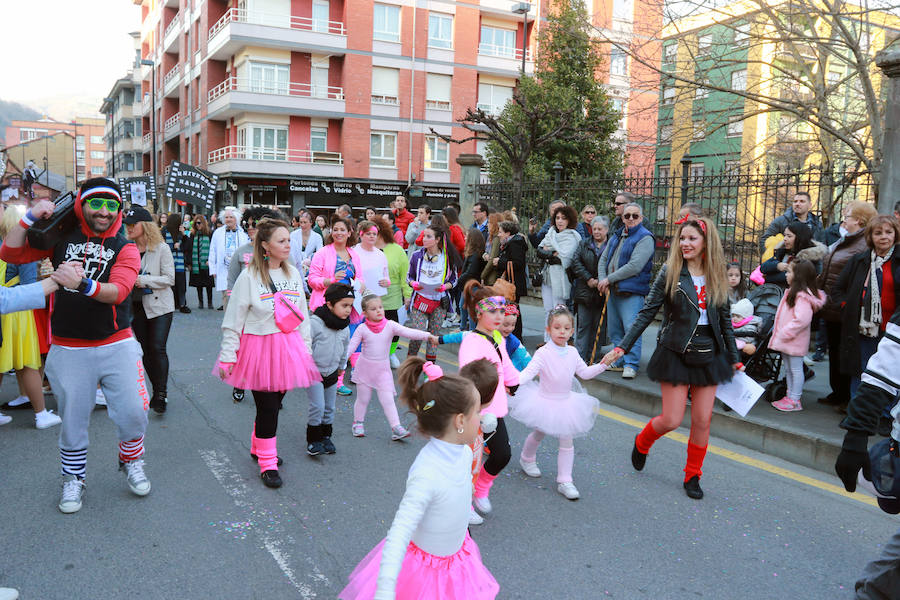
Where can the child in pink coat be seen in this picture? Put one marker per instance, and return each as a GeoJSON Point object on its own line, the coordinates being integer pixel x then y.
{"type": "Point", "coordinates": [373, 368]}
{"type": "Point", "coordinates": [791, 330]}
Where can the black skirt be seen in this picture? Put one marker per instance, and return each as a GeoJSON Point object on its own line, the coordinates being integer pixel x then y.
{"type": "Point", "coordinates": [202, 279]}
{"type": "Point", "coordinates": [666, 366]}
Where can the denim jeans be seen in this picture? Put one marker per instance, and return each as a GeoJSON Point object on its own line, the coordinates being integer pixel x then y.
{"type": "Point", "coordinates": [587, 323]}
{"type": "Point", "coordinates": [620, 314]}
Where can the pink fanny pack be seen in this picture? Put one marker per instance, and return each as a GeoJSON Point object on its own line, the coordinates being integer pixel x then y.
{"type": "Point", "coordinates": [287, 315]}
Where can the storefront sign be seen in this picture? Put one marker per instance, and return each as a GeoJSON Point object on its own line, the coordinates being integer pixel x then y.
{"type": "Point", "coordinates": [362, 193]}
{"type": "Point", "coordinates": [192, 184]}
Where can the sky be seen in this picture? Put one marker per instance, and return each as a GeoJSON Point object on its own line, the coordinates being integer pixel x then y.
{"type": "Point", "coordinates": [58, 49]}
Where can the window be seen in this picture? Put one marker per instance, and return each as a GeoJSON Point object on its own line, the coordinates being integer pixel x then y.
{"type": "Point", "coordinates": [437, 91]}
{"type": "Point", "coordinates": [834, 77]}
{"type": "Point", "coordinates": [704, 43]}
{"type": "Point", "coordinates": [318, 139]}
{"type": "Point", "coordinates": [618, 62]}
{"type": "Point", "coordinates": [732, 167]}
{"type": "Point", "coordinates": [701, 92]}
{"type": "Point", "coordinates": [699, 133]}
{"type": "Point", "coordinates": [263, 142]}
{"type": "Point", "coordinates": [318, 77]}
{"type": "Point", "coordinates": [497, 42]}
{"type": "Point", "coordinates": [437, 153]}
{"type": "Point", "coordinates": [96, 139]}
{"type": "Point", "coordinates": [741, 34]}
{"type": "Point", "coordinates": [97, 155]}
{"type": "Point", "coordinates": [266, 78]}
{"type": "Point", "coordinates": [665, 134]}
{"type": "Point", "coordinates": [697, 170]}
{"type": "Point", "coordinates": [739, 80]}
{"type": "Point", "coordinates": [79, 156]}
{"type": "Point", "coordinates": [440, 30]}
{"type": "Point", "coordinates": [670, 53]}
{"type": "Point", "coordinates": [320, 15]}
{"type": "Point", "coordinates": [79, 142]}
{"type": "Point", "coordinates": [669, 95]}
{"type": "Point", "coordinates": [618, 105]}
{"type": "Point", "coordinates": [735, 127]}
{"type": "Point", "coordinates": [387, 23]}
{"type": "Point", "coordinates": [382, 149]}
{"type": "Point", "coordinates": [492, 98]}
{"type": "Point", "coordinates": [622, 10]}
{"type": "Point", "coordinates": [728, 214]}
{"type": "Point", "coordinates": [96, 170]}
{"type": "Point", "coordinates": [27, 134]}
{"type": "Point", "coordinates": [385, 83]}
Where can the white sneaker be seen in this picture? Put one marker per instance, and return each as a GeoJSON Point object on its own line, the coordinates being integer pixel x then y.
{"type": "Point", "coordinates": [569, 490]}
{"type": "Point", "coordinates": [100, 398]}
{"type": "Point", "coordinates": [9, 593]}
{"type": "Point", "coordinates": [629, 373]}
{"type": "Point", "coordinates": [483, 505]}
{"type": "Point", "coordinates": [809, 362]}
{"type": "Point", "coordinates": [72, 491]}
{"type": "Point", "coordinates": [474, 517]}
{"type": "Point", "coordinates": [447, 323]}
{"type": "Point", "coordinates": [137, 480]}
{"type": "Point", "coordinates": [4, 419]}
{"type": "Point", "coordinates": [395, 361]}
{"type": "Point", "coordinates": [531, 469]}
{"type": "Point", "coordinates": [399, 432]}
{"type": "Point", "coordinates": [358, 429]}
{"type": "Point", "coordinates": [46, 419]}
{"type": "Point", "coordinates": [19, 401]}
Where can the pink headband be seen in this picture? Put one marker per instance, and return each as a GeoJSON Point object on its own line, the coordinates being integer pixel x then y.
{"type": "Point", "coordinates": [372, 229]}
{"type": "Point", "coordinates": [511, 309]}
{"type": "Point", "coordinates": [490, 303]}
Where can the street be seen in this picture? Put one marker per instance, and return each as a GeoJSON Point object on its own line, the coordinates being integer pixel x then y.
{"type": "Point", "coordinates": [210, 529]}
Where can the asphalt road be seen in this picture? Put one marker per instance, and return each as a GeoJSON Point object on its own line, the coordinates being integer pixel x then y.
{"type": "Point", "coordinates": [210, 529]}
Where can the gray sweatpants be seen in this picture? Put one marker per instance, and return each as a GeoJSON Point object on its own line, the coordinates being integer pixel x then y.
{"type": "Point", "coordinates": [881, 577]}
{"type": "Point", "coordinates": [74, 374]}
{"type": "Point", "coordinates": [321, 403]}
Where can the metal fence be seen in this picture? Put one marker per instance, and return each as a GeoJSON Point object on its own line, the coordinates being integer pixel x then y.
{"type": "Point", "coordinates": [741, 203]}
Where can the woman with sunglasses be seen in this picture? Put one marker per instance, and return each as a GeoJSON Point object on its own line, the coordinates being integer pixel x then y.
{"type": "Point", "coordinates": [696, 350]}
{"type": "Point", "coordinates": [197, 256]}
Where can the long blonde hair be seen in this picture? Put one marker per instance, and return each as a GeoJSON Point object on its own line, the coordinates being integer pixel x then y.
{"type": "Point", "coordinates": [714, 268]}
{"type": "Point", "coordinates": [265, 227]}
{"type": "Point", "coordinates": [151, 234]}
{"type": "Point", "coordinates": [11, 217]}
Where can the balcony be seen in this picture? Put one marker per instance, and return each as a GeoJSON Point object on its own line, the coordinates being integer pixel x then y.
{"type": "Point", "coordinates": [146, 105]}
{"type": "Point", "coordinates": [171, 127]}
{"type": "Point", "coordinates": [236, 95]}
{"type": "Point", "coordinates": [239, 28]}
{"type": "Point", "coordinates": [171, 81]}
{"type": "Point", "coordinates": [170, 37]}
{"type": "Point", "coordinates": [503, 59]}
{"type": "Point", "coordinates": [271, 161]}
{"type": "Point", "coordinates": [146, 142]}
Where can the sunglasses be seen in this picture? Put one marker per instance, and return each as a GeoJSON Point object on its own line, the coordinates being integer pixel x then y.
{"type": "Point", "coordinates": [631, 216]}
{"type": "Point", "coordinates": [110, 204]}
{"type": "Point", "coordinates": [620, 203]}
{"type": "Point", "coordinates": [589, 212]}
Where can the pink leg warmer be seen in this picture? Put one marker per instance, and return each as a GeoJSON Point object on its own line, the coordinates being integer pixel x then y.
{"type": "Point", "coordinates": [253, 440]}
{"type": "Point", "coordinates": [386, 398]}
{"type": "Point", "coordinates": [529, 448]}
{"type": "Point", "coordinates": [340, 380]}
{"type": "Point", "coordinates": [267, 451]}
{"type": "Point", "coordinates": [363, 395]}
{"type": "Point", "coordinates": [483, 483]}
{"type": "Point", "coordinates": [565, 460]}
{"type": "Point", "coordinates": [353, 358]}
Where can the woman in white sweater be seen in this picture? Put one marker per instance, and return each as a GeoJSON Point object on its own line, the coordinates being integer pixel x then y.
{"type": "Point", "coordinates": [428, 552]}
{"type": "Point", "coordinates": [265, 330]}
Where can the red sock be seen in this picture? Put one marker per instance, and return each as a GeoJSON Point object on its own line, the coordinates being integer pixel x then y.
{"type": "Point", "coordinates": [695, 456]}
{"type": "Point", "coordinates": [646, 438]}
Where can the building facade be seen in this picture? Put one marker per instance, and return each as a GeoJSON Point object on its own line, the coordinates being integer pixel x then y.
{"type": "Point", "coordinates": [87, 133]}
{"type": "Point", "coordinates": [59, 151]}
{"type": "Point", "coordinates": [123, 132]}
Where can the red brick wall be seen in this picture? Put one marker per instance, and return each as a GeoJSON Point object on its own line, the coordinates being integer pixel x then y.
{"type": "Point", "coordinates": [335, 127]}
{"type": "Point", "coordinates": [301, 64]}
{"type": "Point", "coordinates": [298, 133]}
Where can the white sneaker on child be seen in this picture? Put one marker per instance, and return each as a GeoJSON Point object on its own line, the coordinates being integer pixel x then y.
{"type": "Point", "coordinates": [100, 398]}
{"type": "Point", "coordinates": [568, 490]}
{"type": "Point", "coordinates": [531, 469]}
{"type": "Point", "coordinates": [19, 401]}
{"type": "Point", "coordinates": [46, 419]}
{"type": "Point", "coordinates": [72, 492]}
{"type": "Point", "coordinates": [399, 432]}
{"type": "Point", "coordinates": [358, 429]}
{"type": "Point", "coordinates": [474, 517]}
{"type": "Point", "coordinates": [4, 419]}
{"type": "Point", "coordinates": [483, 505]}
{"type": "Point", "coordinates": [395, 361]}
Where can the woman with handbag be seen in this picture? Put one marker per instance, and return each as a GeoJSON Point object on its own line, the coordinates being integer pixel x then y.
{"type": "Point", "coordinates": [433, 270]}
{"type": "Point", "coordinates": [511, 264]}
{"type": "Point", "coordinates": [696, 350]}
{"type": "Point", "coordinates": [558, 248]}
{"type": "Point", "coordinates": [266, 327]}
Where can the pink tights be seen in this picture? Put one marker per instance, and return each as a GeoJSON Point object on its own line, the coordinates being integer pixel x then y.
{"type": "Point", "coordinates": [385, 397]}
{"type": "Point", "coordinates": [564, 460]}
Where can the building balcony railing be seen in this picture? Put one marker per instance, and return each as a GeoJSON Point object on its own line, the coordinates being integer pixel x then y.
{"type": "Point", "coordinates": [274, 154]}
{"type": "Point", "coordinates": [241, 84]}
{"type": "Point", "coordinates": [437, 105]}
{"type": "Point", "coordinates": [145, 140]}
{"type": "Point", "coordinates": [172, 25]}
{"type": "Point", "coordinates": [173, 75]}
{"type": "Point", "coordinates": [240, 15]}
{"type": "Point", "coordinates": [172, 122]}
{"type": "Point", "coordinates": [503, 52]}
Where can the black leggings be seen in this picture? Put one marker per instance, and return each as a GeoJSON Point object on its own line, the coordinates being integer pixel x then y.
{"type": "Point", "coordinates": [153, 334]}
{"type": "Point", "coordinates": [267, 406]}
{"type": "Point", "coordinates": [208, 296]}
{"type": "Point", "coordinates": [393, 315]}
{"type": "Point", "coordinates": [180, 289]}
{"type": "Point", "coordinates": [498, 444]}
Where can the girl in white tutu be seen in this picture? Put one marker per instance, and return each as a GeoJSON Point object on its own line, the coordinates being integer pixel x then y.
{"type": "Point", "coordinates": [553, 407]}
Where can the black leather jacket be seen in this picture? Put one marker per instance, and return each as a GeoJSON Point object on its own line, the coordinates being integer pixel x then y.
{"type": "Point", "coordinates": [680, 318]}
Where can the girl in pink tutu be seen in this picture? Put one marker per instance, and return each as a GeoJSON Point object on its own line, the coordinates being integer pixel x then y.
{"type": "Point", "coordinates": [266, 338]}
{"type": "Point", "coordinates": [552, 407]}
{"type": "Point", "coordinates": [428, 553]}
{"type": "Point", "coordinates": [373, 368]}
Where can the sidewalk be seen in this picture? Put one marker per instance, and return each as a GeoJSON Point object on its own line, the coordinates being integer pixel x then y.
{"type": "Point", "coordinates": [810, 437]}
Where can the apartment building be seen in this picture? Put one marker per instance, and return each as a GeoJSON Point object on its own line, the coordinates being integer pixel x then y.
{"type": "Point", "coordinates": [323, 102]}
{"type": "Point", "coordinates": [122, 108]}
{"type": "Point", "coordinates": [87, 132]}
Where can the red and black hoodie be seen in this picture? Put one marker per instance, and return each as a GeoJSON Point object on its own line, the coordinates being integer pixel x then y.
{"type": "Point", "coordinates": [110, 258]}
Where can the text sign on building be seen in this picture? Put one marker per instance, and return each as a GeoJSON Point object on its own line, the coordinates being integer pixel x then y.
{"type": "Point", "coordinates": [138, 191]}
{"type": "Point", "coordinates": [335, 193]}
{"type": "Point", "coordinates": [191, 184]}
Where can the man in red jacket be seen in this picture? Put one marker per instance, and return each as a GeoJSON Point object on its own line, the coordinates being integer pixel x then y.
{"type": "Point", "coordinates": [402, 217]}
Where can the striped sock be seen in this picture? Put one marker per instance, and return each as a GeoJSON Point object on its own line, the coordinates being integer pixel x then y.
{"type": "Point", "coordinates": [74, 462]}
{"type": "Point", "coordinates": [132, 450]}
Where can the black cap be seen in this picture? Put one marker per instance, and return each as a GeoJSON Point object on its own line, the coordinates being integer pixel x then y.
{"type": "Point", "coordinates": [137, 214]}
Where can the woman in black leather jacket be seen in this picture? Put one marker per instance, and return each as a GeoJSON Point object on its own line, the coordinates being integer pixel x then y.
{"type": "Point", "coordinates": [695, 348]}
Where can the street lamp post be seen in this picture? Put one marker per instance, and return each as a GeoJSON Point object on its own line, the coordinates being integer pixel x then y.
{"type": "Point", "coordinates": [522, 8]}
{"type": "Point", "coordinates": [112, 129]}
{"type": "Point", "coordinates": [150, 63]}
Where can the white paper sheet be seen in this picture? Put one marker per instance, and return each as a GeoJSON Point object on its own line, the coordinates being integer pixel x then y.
{"type": "Point", "coordinates": [741, 393]}
{"type": "Point", "coordinates": [372, 277]}
{"type": "Point", "coordinates": [430, 289]}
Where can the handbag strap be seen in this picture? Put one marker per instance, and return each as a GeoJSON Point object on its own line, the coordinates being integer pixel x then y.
{"type": "Point", "coordinates": [492, 341]}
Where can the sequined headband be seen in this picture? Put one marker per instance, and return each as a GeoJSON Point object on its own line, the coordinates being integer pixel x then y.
{"type": "Point", "coordinates": [511, 309]}
{"type": "Point", "coordinates": [491, 303]}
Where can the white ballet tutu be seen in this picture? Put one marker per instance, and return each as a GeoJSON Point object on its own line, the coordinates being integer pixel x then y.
{"type": "Point", "coordinates": [559, 415]}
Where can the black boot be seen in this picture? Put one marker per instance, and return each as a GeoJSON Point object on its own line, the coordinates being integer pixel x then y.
{"type": "Point", "coordinates": [271, 479]}
{"type": "Point", "coordinates": [692, 488]}
{"type": "Point", "coordinates": [326, 438]}
{"type": "Point", "coordinates": [638, 458]}
{"type": "Point", "coordinates": [158, 402]}
{"type": "Point", "coordinates": [314, 446]}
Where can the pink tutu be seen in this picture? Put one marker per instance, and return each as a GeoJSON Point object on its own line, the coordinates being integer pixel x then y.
{"type": "Point", "coordinates": [423, 576]}
{"type": "Point", "coordinates": [559, 415]}
{"type": "Point", "coordinates": [276, 362]}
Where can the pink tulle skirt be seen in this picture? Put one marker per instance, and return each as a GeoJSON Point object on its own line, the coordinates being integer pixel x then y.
{"type": "Point", "coordinates": [276, 362]}
{"type": "Point", "coordinates": [559, 415]}
{"type": "Point", "coordinates": [423, 576]}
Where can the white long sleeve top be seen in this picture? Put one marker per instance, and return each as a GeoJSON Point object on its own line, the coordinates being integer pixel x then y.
{"type": "Point", "coordinates": [251, 308]}
{"type": "Point", "coordinates": [557, 365]}
{"type": "Point", "coordinates": [434, 512]}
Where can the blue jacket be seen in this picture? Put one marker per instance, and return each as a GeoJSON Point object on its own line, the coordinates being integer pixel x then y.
{"type": "Point", "coordinates": [640, 283]}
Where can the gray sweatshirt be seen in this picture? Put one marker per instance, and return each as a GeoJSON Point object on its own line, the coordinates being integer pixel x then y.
{"type": "Point", "coordinates": [643, 251]}
{"type": "Point", "coordinates": [329, 346]}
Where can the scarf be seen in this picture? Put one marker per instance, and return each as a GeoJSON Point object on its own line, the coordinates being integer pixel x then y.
{"type": "Point", "coordinates": [376, 327]}
{"type": "Point", "coordinates": [741, 323]}
{"type": "Point", "coordinates": [331, 321]}
{"type": "Point", "coordinates": [871, 317]}
{"type": "Point", "coordinates": [200, 252]}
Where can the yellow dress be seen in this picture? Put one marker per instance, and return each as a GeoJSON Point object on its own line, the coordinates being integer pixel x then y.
{"type": "Point", "coordinates": [20, 340]}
